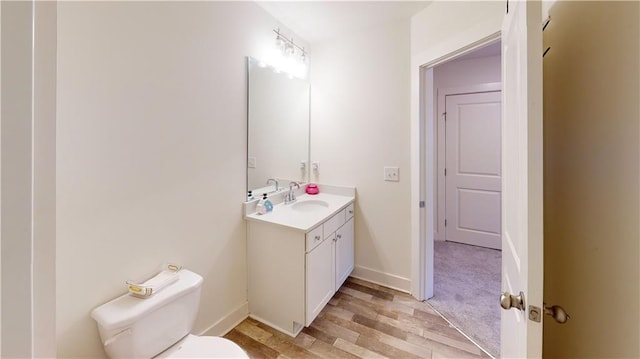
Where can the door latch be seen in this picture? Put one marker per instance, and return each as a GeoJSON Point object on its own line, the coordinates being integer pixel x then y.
{"type": "Point", "coordinates": [555, 311]}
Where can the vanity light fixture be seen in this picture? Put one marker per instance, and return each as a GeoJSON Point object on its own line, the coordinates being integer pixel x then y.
{"type": "Point", "coordinates": [288, 46]}
{"type": "Point", "coordinates": [284, 59]}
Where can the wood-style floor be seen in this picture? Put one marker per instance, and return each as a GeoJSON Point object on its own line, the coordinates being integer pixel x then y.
{"type": "Point", "coordinates": [362, 320]}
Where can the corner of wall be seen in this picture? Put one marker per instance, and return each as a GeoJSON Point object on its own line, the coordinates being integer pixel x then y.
{"type": "Point", "coordinates": [229, 321]}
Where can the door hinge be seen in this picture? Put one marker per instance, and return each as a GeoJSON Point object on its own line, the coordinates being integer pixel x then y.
{"type": "Point", "coordinates": [546, 22]}
{"type": "Point", "coordinates": [445, 222]}
{"type": "Point", "coordinates": [444, 115]}
{"type": "Point", "coordinates": [421, 204]}
{"type": "Point", "coordinates": [445, 171]}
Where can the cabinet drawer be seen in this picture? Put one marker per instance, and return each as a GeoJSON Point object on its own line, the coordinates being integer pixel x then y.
{"type": "Point", "coordinates": [333, 223]}
{"type": "Point", "coordinates": [314, 237]}
{"type": "Point", "coordinates": [349, 212]}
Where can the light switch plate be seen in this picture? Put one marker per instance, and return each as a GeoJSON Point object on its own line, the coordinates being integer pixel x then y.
{"type": "Point", "coordinates": [392, 174]}
{"type": "Point", "coordinates": [251, 162]}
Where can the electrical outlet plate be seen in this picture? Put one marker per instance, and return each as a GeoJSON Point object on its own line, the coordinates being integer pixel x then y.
{"type": "Point", "coordinates": [392, 174]}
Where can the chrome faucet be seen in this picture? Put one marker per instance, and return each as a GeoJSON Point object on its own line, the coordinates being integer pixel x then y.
{"type": "Point", "coordinates": [290, 197]}
{"type": "Point", "coordinates": [274, 181]}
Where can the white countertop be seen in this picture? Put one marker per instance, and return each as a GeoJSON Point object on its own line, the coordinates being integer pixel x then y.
{"type": "Point", "coordinates": [285, 215]}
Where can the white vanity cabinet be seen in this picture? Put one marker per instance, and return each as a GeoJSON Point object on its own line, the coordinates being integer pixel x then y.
{"type": "Point", "coordinates": [292, 273]}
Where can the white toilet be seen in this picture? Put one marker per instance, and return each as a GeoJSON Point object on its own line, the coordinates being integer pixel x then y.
{"type": "Point", "coordinates": [159, 326]}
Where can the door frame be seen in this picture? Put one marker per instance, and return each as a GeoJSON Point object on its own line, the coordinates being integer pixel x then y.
{"type": "Point", "coordinates": [423, 148]}
{"type": "Point", "coordinates": [439, 179]}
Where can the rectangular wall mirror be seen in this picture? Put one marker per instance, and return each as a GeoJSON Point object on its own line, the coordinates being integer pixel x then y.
{"type": "Point", "coordinates": [277, 130]}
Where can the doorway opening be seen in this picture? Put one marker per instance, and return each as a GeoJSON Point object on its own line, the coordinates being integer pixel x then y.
{"type": "Point", "coordinates": [466, 108]}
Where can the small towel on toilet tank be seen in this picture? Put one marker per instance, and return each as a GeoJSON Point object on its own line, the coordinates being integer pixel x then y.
{"type": "Point", "coordinates": [154, 282]}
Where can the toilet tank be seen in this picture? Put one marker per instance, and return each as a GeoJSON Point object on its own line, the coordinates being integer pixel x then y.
{"type": "Point", "coordinates": [132, 327]}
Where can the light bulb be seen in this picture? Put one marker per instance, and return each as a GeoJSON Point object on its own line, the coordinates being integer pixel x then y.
{"type": "Point", "coordinates": [279, 42]}
{"type": "Point", "coordinates": [289, 50]}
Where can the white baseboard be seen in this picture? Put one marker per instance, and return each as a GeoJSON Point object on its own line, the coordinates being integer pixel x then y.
{"type": "Point", "coordinates": [293, 334]}
{"type": "Point", "coordinates": [385, 279]}
{"type": "Point", "coordinates": [228, 322]}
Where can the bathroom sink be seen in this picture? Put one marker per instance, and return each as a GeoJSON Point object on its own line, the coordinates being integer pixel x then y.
{"type": "Point", "coordinates": [307, 212]}
{"type": "Point", "coordinates": [310, 205]}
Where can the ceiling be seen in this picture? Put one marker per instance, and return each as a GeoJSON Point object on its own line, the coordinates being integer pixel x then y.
{"type": "Point", "coordinates": [316, 21]}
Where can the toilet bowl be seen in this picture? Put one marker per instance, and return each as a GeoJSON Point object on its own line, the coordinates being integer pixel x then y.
{"type": "Point", "coordinates": [193, 346]}
{"type": "Point", "coordinates": [159, 326]}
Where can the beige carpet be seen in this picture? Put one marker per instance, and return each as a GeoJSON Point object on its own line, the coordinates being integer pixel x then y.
{"type": "Point", "coordinates": [467, 291]}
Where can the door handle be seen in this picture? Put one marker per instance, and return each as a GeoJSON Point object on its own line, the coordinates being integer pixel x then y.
{"type": "Point", "coordinates": [508, 301]}
{"type": "Point", "coordinates": [557, 312]}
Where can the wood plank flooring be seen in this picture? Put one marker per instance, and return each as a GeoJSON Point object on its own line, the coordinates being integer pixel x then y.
{"type": "Point", "coordinates": [362, 320]}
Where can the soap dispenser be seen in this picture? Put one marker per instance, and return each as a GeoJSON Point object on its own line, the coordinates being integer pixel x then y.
{"type": "Point", "coordinates": [260, 207]}
{"type": "Point", "coordinates": [267, 203]}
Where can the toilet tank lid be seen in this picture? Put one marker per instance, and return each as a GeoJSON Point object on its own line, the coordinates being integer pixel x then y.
{"type": "Point", "coordinates": [125, 310]}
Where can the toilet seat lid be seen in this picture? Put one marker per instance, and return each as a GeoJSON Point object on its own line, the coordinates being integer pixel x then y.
{"type": "Point", "coordinates": [204, 347]}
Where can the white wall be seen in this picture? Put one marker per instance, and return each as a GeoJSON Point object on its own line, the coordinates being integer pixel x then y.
{"type": "Point", "coordinates": [151, 153]}
{"type": "Point", "coordinates": [28, 179]}
{"type": "Point", "coordinates": [442, 28]}
{"type": "Point", "coordinates": [359, 124]}
{"type": "Point", "coordinates": [0, 181]}
{"type": "Point", "coordinates": [446, 26]}
{"type": "Point", "coordinates": [44, 181]}
{"type": "Point", "coordinates": [17, 175]}
{"type": "Point", "coordinates": [449, 75]}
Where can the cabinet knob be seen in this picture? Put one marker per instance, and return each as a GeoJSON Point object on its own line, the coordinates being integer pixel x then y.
{"type": "Point", "coordinates": [339, 236]}
{"type": "Point", "coordinates": [317, 238]}
{"type": "Point", "coordinates": [350, 211]}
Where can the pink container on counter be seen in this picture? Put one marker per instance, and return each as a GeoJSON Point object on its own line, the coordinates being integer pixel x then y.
{"type": "Point", "coordinates": [312, 189]}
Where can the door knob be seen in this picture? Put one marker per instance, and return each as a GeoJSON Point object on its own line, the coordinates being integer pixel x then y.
{"type": "Point", "coordinates": [508, 301]}
{"type": "Point", "coordinates": [557, 312]}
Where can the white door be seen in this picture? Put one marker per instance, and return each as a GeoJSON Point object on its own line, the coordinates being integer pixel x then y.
{"type": "Point", "coordinates": [522, 220]}
{"type": "Point", "coordinates": [473, 169]}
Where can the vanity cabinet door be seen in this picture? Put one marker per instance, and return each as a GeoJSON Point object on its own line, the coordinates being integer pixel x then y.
{"type": "Point", "coordinates": [320, 277]}
{"type": "Point", "coordinates": [344, 253]}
